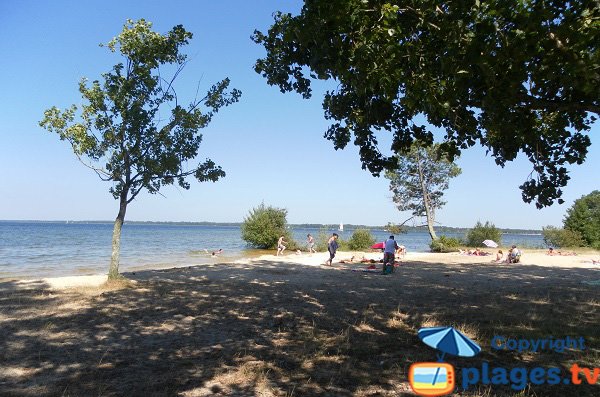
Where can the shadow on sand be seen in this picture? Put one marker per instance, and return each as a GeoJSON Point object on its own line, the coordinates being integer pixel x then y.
{"type": "Point", "coordinates": [286, 329]}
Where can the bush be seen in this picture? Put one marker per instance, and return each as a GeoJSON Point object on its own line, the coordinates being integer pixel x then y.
{"type": "Point", "coordinates": [321, 240]}
{"type": "Point", "coordinates": [361, 239]}
{"type": "Point", "coordinates": [264, 225]}
{"type": "Point", "coordinates": [562, 238]}
{"type": "Point", "coordinates": [445, 244]}
{"type": "Point", "coordinates": [479, 233]}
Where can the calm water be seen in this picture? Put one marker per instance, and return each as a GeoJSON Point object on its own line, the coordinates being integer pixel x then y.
{"type": "Point", "coordinates": [45, 249]}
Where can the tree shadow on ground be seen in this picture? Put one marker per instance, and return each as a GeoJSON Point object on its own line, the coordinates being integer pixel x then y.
{"type": "Point", "coordinates": [268, 329]}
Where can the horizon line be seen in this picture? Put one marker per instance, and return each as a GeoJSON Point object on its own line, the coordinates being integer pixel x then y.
{"type": "Point", "coordinates": [239, 223]}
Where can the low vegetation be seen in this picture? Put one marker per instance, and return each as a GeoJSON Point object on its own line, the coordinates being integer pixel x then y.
{"type": "Point", "coordinates": [481, 232]}
{"type": "Point", "coordinates": [445, 244]}
{"type": "Point", "coordinates": [361, 239]}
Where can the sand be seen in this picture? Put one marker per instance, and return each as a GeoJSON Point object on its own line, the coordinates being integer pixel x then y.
{"type": "Point", "coordinates": [288, 325]}
{"type": "Point", "coordinates": [343, 261]}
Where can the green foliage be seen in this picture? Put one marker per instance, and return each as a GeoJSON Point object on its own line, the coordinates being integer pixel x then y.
{"type": "Point", "coordinates": [481, 232]}
{"type": "Point", "coordinates": [584, 218]}
{"type": "Point", "coordinates": [513, 76]}
{"type": "Point", "coordinates": [120, 126]}
{"type": "Point", "coordinates": [562, 238]}
{"type": "Point", "coordinates": [264, 225]}
{"type": "Point", "coordinates": [131, 129]}
{"type": "Point", "coordinates": [419, 180]}
{"type": "Point", "coordinates": [445, 244]}
{"type": "Point", "coordinates": [361, 239]}
{"type": "Point", "coordinates": [394, 229]}
{"type": "Point", "coordinates": [323, 238]}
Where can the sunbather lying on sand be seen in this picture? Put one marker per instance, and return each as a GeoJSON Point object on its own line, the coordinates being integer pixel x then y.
{"type": "Point", "coordinates": [552, 251]}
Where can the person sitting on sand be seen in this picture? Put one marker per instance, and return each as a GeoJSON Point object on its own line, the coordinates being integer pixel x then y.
{"type": "Point", "coordinates": [514, 255]}
{"type": "Point", "coordinates": [280, 245]}
{"type": "Point", "coordinates": [499, 256]}
{"type": "Point", "coordinates": [550, 251]}
{"type": "Point", "coordinates": [401, 251]}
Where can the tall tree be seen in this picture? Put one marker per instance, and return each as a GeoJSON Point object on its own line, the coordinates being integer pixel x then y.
{"type": "Point", "coordinates": [419, 180]}
{"type": "Point", "coordinates": [515, 76]}
{"type": "Point", "coordinates": [122, 132]}
{"type": "Point", "coordinates": [584, 218]}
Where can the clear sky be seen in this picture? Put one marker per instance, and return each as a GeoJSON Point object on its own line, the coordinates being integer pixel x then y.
{"type": "Point", "coordinates": [270, 144]}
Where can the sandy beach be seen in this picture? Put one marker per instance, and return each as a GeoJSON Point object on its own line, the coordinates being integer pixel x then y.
{"type": "Point", "coordinates": [289, 326]}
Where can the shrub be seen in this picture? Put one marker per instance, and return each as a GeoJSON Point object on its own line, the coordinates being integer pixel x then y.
{"type": "Point", "coordinates": [562, 238]}
{"type": "Point", "coordinates": [445, 244]}
{"type": "Point", "coordinates": [323, 238]}
{"type": "Point", "coordinates": [264, 225]}
{"type": "Point", "coordinates": [361, 239]}
{"type": "Point", "coordinates": [479, 233]}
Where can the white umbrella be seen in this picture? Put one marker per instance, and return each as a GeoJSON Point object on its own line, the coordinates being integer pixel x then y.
{"type": "Point", "coordinates": [490, 243]}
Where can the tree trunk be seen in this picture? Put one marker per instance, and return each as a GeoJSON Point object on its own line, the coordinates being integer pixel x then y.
{"type": "Point", "coordinates": [113, 271]}
{"type": "Point", "coordinates": [428, 210]}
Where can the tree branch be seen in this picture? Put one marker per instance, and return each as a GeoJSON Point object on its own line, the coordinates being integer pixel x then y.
{"type": "Point", "coordinates": [546, 104]}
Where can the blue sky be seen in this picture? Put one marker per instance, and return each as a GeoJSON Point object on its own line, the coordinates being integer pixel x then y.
{"type": "Point", "coordinates": [270, 144]}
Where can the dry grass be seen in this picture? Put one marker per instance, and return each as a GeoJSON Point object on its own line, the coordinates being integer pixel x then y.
{"type": "Point", "coordinates": [286, 330]}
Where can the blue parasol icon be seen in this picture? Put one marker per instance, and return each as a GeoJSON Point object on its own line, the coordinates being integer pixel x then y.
{"type": "Point", "coordinates": [449, 341]}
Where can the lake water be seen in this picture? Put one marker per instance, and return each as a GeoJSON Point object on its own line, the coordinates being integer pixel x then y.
{"type": "Point", "coordinates": [47, 249]}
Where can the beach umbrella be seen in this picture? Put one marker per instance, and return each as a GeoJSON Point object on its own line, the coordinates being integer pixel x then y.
{"type": "Point", "coordinates": [448, 341]}
{"type": "Point", "coordinates": [378, 246]}
{"type": "Point", "coordinates": [490, 243]}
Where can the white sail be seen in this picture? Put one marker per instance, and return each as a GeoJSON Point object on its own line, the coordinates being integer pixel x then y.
{"type": "Point", "coordinates": [341, 227]}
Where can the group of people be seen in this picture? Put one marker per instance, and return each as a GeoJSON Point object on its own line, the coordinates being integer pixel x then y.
{"type": "Point", "coordinates": [310, 244]}
{"type": "Point", "coordinates": [390, 249]}
{"type": "Point", "coordinates": [514, 254]}
{"type": "Point", "coordinates": [475, 252]}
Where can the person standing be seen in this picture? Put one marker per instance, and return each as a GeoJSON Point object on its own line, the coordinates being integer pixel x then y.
{"type": "Point", "coordinates": [332, 246]}
{"type": "Point", "coordinates": [310, 242]}
{"type": "Point", "coordinates": [280, 245]}
{"type": "Point", "coordinates": [389, 252]}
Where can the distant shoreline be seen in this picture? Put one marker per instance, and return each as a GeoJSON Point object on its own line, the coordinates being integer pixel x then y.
{"type": "Point", "coordinates": [439, 229]}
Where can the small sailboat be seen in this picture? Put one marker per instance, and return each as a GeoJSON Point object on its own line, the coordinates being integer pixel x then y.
{"type": "Point", "coordinates": [341, 229]}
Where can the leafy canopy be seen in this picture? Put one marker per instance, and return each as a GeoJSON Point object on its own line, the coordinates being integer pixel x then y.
{"type": "Point", "coordinates": [514, 76]}
{"type": "Point", "coordinates": [122, 133]}
{"type": "Point", "coordinates": [584, 218]}
{"type": "Point", "coordinates": [421, 176]}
